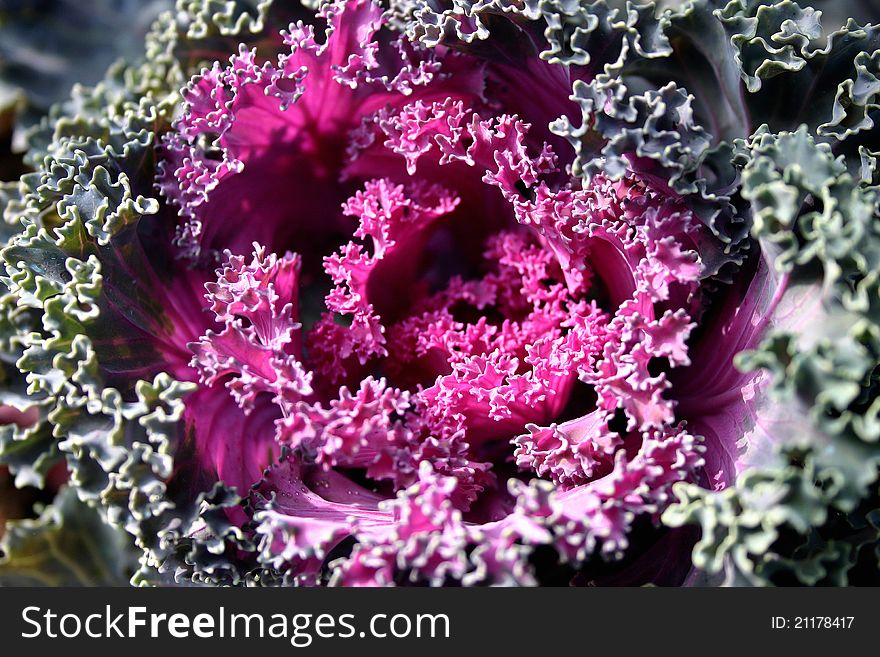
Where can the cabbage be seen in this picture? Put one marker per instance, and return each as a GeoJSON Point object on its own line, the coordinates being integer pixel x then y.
{"type": "Point", "coordinates": [481, 293]}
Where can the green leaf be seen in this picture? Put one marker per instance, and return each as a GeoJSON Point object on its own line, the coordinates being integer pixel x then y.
{"type": "Point", "coordinates": [67, 545]}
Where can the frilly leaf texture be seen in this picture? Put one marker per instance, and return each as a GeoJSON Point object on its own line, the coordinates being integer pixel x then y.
{"type": "Point", "coordinates": [754, 116]}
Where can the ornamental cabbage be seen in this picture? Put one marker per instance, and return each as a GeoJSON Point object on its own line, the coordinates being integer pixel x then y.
{"type": "Point", "coordinates": [456, 293]}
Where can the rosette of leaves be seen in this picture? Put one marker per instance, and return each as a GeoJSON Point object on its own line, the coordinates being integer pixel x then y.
{"type": "Point", "coordinates": [747, 127]}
